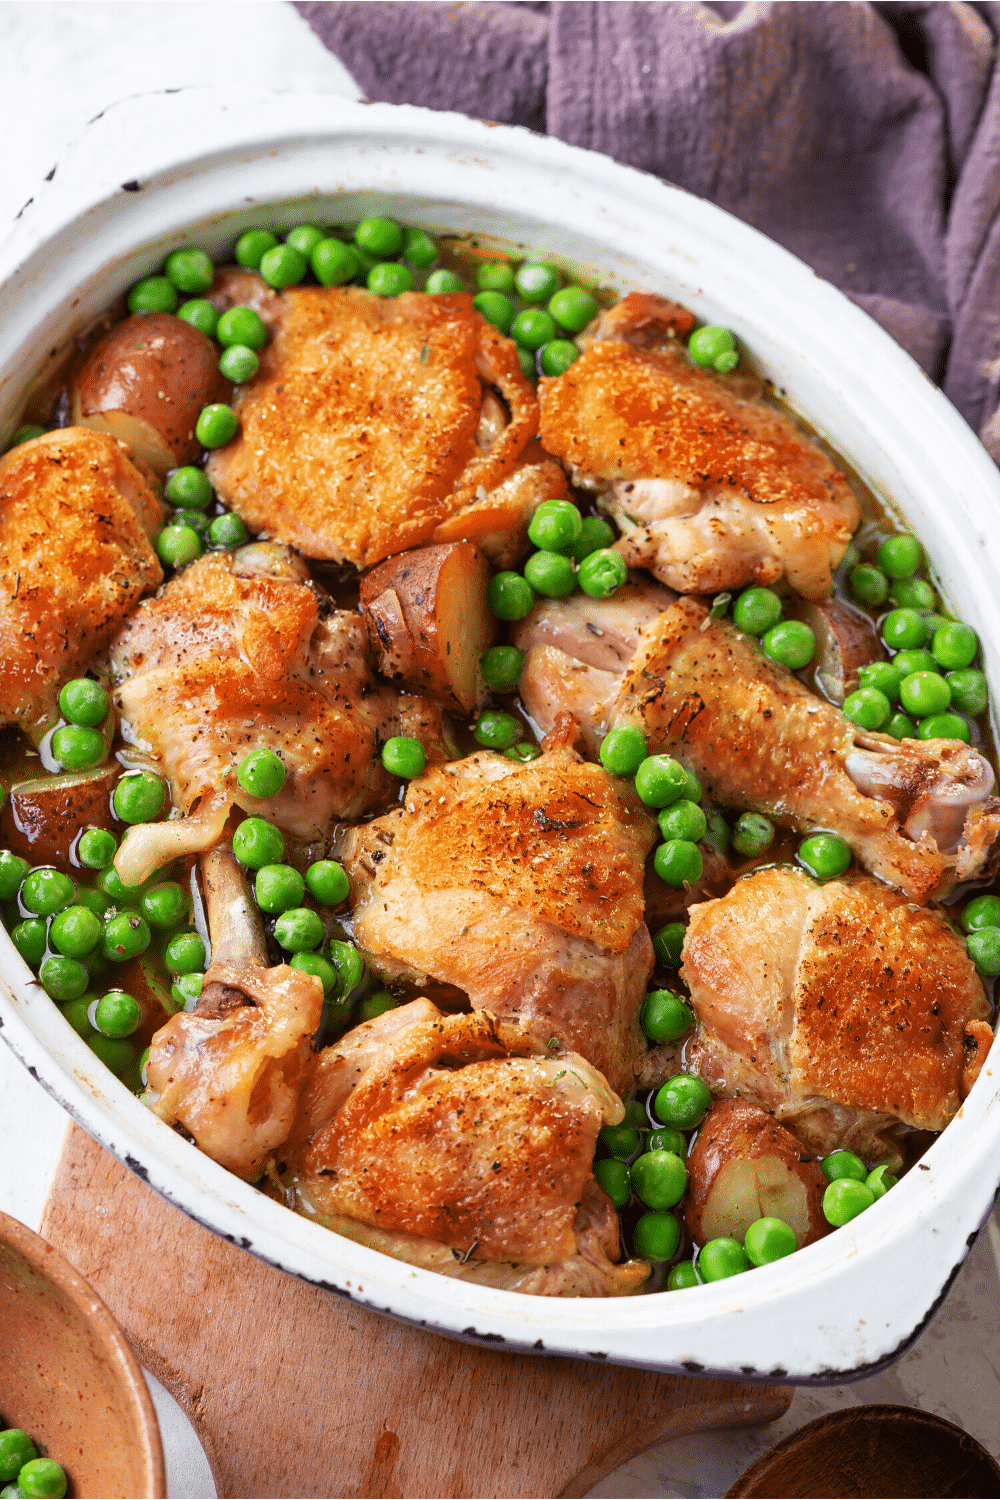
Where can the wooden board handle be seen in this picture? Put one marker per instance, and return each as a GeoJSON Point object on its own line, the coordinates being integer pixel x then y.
{"type": "Point", "coordinates": [296, 1392]}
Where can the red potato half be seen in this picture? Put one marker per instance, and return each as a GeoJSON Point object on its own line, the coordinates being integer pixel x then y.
{"type": "Point", "coordinates": [145, 383]}
{"type": "Point", "coordinates": [846, 640]}
{"type": "Point", "coordinates": [745, 1166]}
{"type": "Point", "coordinates": [42, 818]}
{"type": "Point", "coordinates": [428, 621]}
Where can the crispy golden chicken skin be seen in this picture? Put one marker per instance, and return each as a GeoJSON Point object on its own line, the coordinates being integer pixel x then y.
{"type": "Point", "coordinates": [522, 885]}
{"type": "Point", "coordinates": [842, 1008]}
{"type": "Point", "coordinates": [362, 430]}
{"type": "Point", "coordinates": [712, 488]}
{"type": "Point", "coordinates": [77, 519]}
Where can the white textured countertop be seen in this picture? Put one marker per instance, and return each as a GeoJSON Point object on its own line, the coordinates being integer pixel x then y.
{"type": "Point", "coordinates": [60, 64]}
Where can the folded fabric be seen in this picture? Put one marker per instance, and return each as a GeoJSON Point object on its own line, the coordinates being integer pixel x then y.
{"type": "Point", "coordinates": [865, 138]}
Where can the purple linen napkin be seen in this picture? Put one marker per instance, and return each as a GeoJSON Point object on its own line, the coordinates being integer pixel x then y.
{"type": "Point", "coordinates": [865, 138]}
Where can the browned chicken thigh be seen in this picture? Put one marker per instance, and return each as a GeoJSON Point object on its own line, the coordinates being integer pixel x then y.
{"type": "Point", "coordinates": [916, 813]}
{"type": "Point", "coordinates": [241, 652]}
{"type": "Point", "coordinates": [77, 521]}
{"type": "Point", "coordinates": [461, 1144]}
{"type": "Point", "coordinates": [841, 1008]}
{"type": "Point", "coordinates": [522, 886]}
{"type": "Point", "coordinates": [371, 420]}
{"type": "Point", "coordinates": [711, 487]}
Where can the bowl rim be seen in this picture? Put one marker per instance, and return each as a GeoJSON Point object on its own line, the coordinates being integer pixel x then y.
{"type": "Point", "coordinates": [397, 150]}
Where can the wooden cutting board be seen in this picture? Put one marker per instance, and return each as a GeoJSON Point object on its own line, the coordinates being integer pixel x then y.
{"type": "Point", "coordinates": [294, 1391]}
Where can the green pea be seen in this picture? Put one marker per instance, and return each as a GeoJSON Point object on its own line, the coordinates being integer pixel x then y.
{"type": "Point", "coordinates": [768, 1240]}
{"type": "Point", "coordinates": [900, 556]}
{"type": "Point", "coordinates": [523, 751]}
{"type": "Point", "coordinates": [682, 1276]}
{"type": "Point", "coordinates": [880, 1180]}
{"type": "Point", "coordinates": [365, 261]}
{"type": "Point", "coordinates": [635, 1114]}
{"type": "Point", "coordinates": [844, 1200]}
{"type": "Point", "coordinates": [904, 629]}
{"type": "Point", "coordinates": [843, 1164]}
{"type": "Point", "coordinates": [555, 524]}
{"type": "Point", "coordinates": [186, 988]}
{"type": "Point", "coordinates": [16, 1450]}
{"type": "Point", "coordinates": [621, 1141]}
{"type": "Point", "coordinates": [261, 773]}
{"type": "Point", "coordinates": [500, 668]}
{"type": "Point", "coordinates": [190, 270]}
{"type": "Point", "coordinates": [25, 434]}
{"type": "Point", "coordinates": [943, 727]}
{"type": "Point", "coordinates": [217, 425]}
{"type": "Point", "coordinates": [497, 730]}
{"type": "Point", "coordinates": [982, 911]}
{"type": "Point", "coordinates": [495, 308]}
{"type": "Point", "coordinates": [242, 326]}
{"type": "Point", "coordinates": [84, 702]}
{"type": "Point", "coordinates": [381, 237]}
{"type": "Point", "coordinates": [722, 1258]}
{"type": "Point", "coordinates": [602, 573]}
{"type": "Point", "coordinates": [664, 1016]}
{"type": "Point", "coordinates": [623, 750]}
{"type": "Point", "coordinates": [201, 314]}
{"type": "Point", "coordinates": [139, 797]}
{"type": "Point", "coordinates": [109, 884]}
{"type": "Point", "coordinates": [792, 643]}
{"type": "Point", "coordinates": [683, 1101]}
{"type": "Point", "coordinates": [418, 248]}
{"type": "Point", "coordinates": [13, 869]}
{"type": "Point", "coordinates": [93, 899]}
{"type": "Point", "coordinates": [78, 749]}
{"type": "Point", "coordinates": [693, 789]}
{"type": "Point", "coordinates": [756, 610]}
{"type": "Point", "coordinates": [537, 282]}
{"type": "Point", "coordinates": [283, 266]}
{"type": "Point", "coordinates": [660, 780]}
{"type": "Point", "coordinates": [984, 949]}
{"type": "Point", "coordinates": [348, 963]}
{"type": "Point", "coordinates": [901, 727]}
{"type": "Point", "coordinates": [613, 1176]}
{"type": "Point", "coordinates": [376, 1005]}
{"type": "Point", "coordinates": [75, 931]}
{"type": "Point", "coordinates": [708, 345]}
{"type": "Point", "coordinates": [176, 546]}
{"type": "Point", "coordinates": [189, 487]}
{"type": "Point", "coordinates": [334, 263]}
{"type": "Point", "coordinates": [656, 1237]}
{"type": "Point", "coordinates": [573, 308]}
{"type": "Point", "coordinates": [913, 593]}
{"type": "Point", "coordinates": [869, 585]}
{"type": "Point", "coordinates": [969, 692]}
{"type": "Point", "coordinates": [257, 843]}
{"type": "Point", "coordinates": [239, 364]}
{"type": "Point", "coordinates": [924, 693]}
{"type": "Point", "coordinates": [528, 361]}
{"type": "Point", "coordinates": [550, 574]}
{"type": "Point", "coordinates": [659, 1179]}
{"type": "Point", "coordinates": [495, 276]}
{"type": "Point", "coordinates": [388, 279]}
{"type": "Point", "coordinates": [753, 834]}
{"type": "Point", "coordinates": [327, 882]}
{"type": "Point", "coordinates": [403, 756]}
{"type": "Point", "coordinates": [908, 662]}
{"type": "Point", "coordinates": [678, 863]}
{"type": "Point", "coordinates": [45, 891]}
{"type": "Point", "coordinates": [509, 596]}
{"type": "Point", "coordinates": [252, 246]}
{"type": "Point", "coordinates": [194, 520]}
{"type": "Point", "coordinates": [595, 535]}
{"type": "Point", "coordinates": [684, 820]}
{"type": "Point", "coordinates": [824, 855]}
{"type": "Point", "coordinates": [868, 708]}
{"type": "Point", "coordinates": [954, 646]}
{"type": "Point", "coordinates": [30, 940]}
{"type": "Point", "coordinates": [117, 1014]}
{"type": "Point", "coordinates": [185, 953]}
{"type": "Point", "coordinates": [227, 531]}
{"type": "Point", "coordinates": [125, 936]}
{"type": "Point", "coordinates": [668, 942]}
{"type": "Point", "coordinates": [63, 978]}
{"type": "Point", "coordinates": [153, 294]}
{"type": "Point", "coordinates": [883, 676]}
{"type": "Point", "coordinates": [668, 1139]}
{"type": "Point", "coordinates": [164, 905]}
{"type": "Point", "coordinates": [317, 965]}
{"type": "Point", "coordinates": [557, 356]}
{"type": "Point", "coordinates": [118, 1054]}
{"type": "Point", "coordinates": [717, 835]}
{"type": "Point", "coordinates": [278, 888]}
{"type": "Point", "coordinates": [532, 328]}
{"type": "Point", "coordinates": [77, 1013]}
{"type": "Point", "coordinates": [304, 238]}
{"type": "Point", "coordinates": [441, 282]}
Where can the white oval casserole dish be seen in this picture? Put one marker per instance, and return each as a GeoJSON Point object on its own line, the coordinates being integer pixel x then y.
{"type": "Point", "coordinates": [209, 166]}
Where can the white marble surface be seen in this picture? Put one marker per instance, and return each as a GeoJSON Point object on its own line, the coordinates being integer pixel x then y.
{"type": "Point", "coordinates": [61, 63]}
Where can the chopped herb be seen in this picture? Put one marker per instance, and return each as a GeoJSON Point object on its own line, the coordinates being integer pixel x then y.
{"type": "Point", "coordinates": [424, 354]}
{"type": "Point", "coordinates": [720, 606]}
{"type": "Point", "coordinates": [553, 1081]}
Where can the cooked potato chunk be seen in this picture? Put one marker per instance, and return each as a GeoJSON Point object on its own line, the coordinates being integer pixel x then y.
{"type": "Point", "coordinates": [846, 639]}
{"type": "Point", "coordinates": [42, 818]}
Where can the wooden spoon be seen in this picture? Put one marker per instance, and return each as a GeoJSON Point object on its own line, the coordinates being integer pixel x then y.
{"type": "Point", "coordinates": [874, 1451]}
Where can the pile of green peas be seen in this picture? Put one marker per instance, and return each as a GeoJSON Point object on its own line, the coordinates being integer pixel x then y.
{"type": "Point", "coordinates": [78, 744]}
{"type": "Point", "coordinates": [24, 1473]}
{"type": "Point", "coordinates": [190, 529]}
{"type": "Point", "coordinates": [573, 551]}
{"type": "Point", "coordinates": [674, 791]}
{"type": "Point", "coordinates": [981, 920]}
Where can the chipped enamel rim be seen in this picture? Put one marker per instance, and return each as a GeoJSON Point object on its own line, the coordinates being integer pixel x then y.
{"type": "Point", "coordinates": [207, 163]}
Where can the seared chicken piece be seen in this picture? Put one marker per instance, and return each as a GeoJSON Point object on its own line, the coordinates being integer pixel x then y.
{"type": "Point", "coordinates": [77, 521]}
{"type": "Point", "coordinates": [919, 814]}
{"type": "Point", "coordinates": [497, 522]}
{"type": "Point", "coordinates": [241, 652]}
{"type": "Point", "coordinates": [370, 421]}
{"type": "Point", "coordinates": [841, 1008]}
{"type": "Point", "coordinates": [712, 489]}
{"type": "Point", "coordinates": [461, 1144]}
{"type": "Point", "coordinates": [234, 1070]}
{"type": "Point", "coordinates": [522, 885]}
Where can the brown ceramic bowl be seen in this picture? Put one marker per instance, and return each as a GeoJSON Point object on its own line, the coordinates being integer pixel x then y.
{"type": "Point", "coordinates": [68, 1377]}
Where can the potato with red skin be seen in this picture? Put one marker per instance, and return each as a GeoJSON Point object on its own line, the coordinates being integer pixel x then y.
{"type": "Point", "coordinates": [744, 1166]}
{"type": "Point", "coordinates": [429, 623]}
{"type": "Point", "coordinates": [41, 819]}
{"type": "Point", "coordinates": [846, 640]}
{"type": "Point", "coordinates": [146, 382]}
